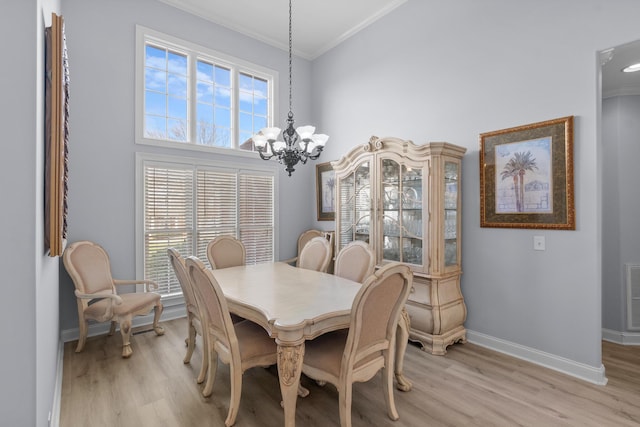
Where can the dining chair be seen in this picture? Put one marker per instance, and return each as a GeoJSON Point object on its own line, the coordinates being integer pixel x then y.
{"type": "Point", "coordinates": [303, 239]}
{"type": "Point", "coordinates": [355, 261]}
{"type": "Point", "coordinates": [97, 299]}
{"type": "Point", "coordinates": [194, 318]}
{"type": "Point", "coordinates": [242, 345]}
{"type": "Point", "coordinates": [315, 255]}
{"type": "Point", "coordinates": [368, 346]}
{"type": "Point", "coordinates": [226, 251]}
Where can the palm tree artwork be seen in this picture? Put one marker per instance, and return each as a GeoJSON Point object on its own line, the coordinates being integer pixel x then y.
{"type": "Point", "coordinates": [330, 184]}
{"type": "Point", "coordinates": [516, 168]}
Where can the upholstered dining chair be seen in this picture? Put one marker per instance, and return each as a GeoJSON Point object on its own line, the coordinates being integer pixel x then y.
{"type": "Point", "coordinates": [88, 265]}
{"type": "Point", "coordinates": [357, 354]}
{"type": "Point", "coordinates": [303, 239]}
{"type": "Point", "coordinates": [315, 255]}
{"type": "Point", "coordinates": [242, 345]}
{"type": "Point", "coordinates": [355, 261]}
{"type": "Point", "coordinates": [194, 318]}
{"type": "Point", "coordinates": [226, 251]}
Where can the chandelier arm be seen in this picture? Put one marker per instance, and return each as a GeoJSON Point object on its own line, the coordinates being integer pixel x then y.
{"type": "Point", "coordinates": [262, 156]}
{"type": "Point", "coordinates": [317, 151]}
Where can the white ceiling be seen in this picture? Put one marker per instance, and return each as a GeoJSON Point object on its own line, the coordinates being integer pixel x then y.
{"type": "Point", "coordinates": [318, 25]}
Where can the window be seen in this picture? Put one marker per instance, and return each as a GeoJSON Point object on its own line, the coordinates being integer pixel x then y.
{"type": "Point", "coordinates": [185, 204]}
{"type": "Point", "coordinates": [165, 94]}
{"type": "Point", "coordinates": [188, 96]}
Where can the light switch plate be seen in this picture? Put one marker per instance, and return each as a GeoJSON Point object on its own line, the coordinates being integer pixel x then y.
{"type": "Point", "coordinates": [538, 243]}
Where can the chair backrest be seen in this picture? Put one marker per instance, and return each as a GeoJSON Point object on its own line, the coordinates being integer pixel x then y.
{"type": "Point", "coordinates": [226, 251]}
{"type": "Point", "coordinates": [180, 269]}
{"type": "Point", "coordinates": [355, 261]}
{"type": "Point", "coordinates": [214, 307]}
{"type": "Point", "coordinates": [304, 238]}
{"type": "Point", "coordinates": [88, 265]}
{"type": "Point", "coordinates": [375, 313]}
{"type": "Point", "coordinates": [315, 255]}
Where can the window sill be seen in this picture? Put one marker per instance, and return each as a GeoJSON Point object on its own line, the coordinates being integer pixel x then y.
{"type": "Point", "coordinates": [189, 147]}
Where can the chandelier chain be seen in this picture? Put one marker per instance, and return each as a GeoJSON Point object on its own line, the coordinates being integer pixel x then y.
{"type": "Point", "coordinates": [290, 62]}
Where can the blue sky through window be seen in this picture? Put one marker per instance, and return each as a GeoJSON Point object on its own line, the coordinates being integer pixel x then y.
{"type": "Point", "coordinates": [193, 97]}
{"type": "Point", "coordinates": [166, 96]}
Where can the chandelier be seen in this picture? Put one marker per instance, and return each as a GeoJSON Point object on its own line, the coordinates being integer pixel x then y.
{"type": "Point", "coordinates": [299, 144]}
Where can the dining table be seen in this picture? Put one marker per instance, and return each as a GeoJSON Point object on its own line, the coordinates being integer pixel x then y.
{"type": "Point", "coordinates": [294, 305]}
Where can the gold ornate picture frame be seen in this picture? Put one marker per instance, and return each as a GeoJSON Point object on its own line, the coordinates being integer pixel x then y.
{"type": "Point", "coordinates": [325, 191]}
{"type": "Point", "coordinates": [526, 176]}
{"type": "Point", "coordinates": [56, 137]}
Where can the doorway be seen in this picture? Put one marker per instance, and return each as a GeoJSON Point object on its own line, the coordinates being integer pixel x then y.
{"type": "Point", "coordinates": [619, 154]}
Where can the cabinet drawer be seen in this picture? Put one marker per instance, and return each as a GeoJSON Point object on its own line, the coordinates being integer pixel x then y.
{"type": "Point", "coordinates": [420, 291]}
{"type": "Point", "coordinates": [421, 318]}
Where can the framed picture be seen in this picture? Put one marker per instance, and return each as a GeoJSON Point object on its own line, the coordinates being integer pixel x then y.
{"type": "Point", "coordinates": [56, 137]}
{"type": "Point", "coordinates": [526, 176]}
{"type": "Point", "coordinates": [325, 193]}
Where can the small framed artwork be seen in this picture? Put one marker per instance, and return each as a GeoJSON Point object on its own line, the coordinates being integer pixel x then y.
{"type": "Point", "coordinates": [325, 192]}
{"type": "Point", "coordinates": [526, 176]}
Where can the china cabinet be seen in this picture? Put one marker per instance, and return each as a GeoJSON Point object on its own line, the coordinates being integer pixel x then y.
{"type": "Point", "coordinates": [404, 200]}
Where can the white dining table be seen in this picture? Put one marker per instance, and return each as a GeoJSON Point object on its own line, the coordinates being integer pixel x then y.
{"type": "Point", "coordinates": [293, 305]}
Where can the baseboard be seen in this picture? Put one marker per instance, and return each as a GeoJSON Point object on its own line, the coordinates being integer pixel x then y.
{"type": "Point", "coordinates": [169, 313]}
{"type": "Point", "coordinates": [623, 338]}
{"type": "Point", "coordinates": [548, 360]}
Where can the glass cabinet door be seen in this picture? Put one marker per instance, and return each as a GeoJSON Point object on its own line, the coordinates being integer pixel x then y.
{"type": "Point", "coordinates": [450, 214]}
{"type": "Point", "coordinates": [412, 226]}
{"type": "Point", "coordinates": [402, 228]}
{"type": "Point", "coordinates": [390, 195]}
{"type": "Point", "coordinates": [355, 206]}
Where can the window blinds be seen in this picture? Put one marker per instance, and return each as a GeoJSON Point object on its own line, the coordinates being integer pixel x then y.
{"type": "Point", "coordinates": [186, 206]}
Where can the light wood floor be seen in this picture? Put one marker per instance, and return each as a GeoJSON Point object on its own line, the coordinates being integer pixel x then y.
{"type": "Point", "coordinates": [470, 386]}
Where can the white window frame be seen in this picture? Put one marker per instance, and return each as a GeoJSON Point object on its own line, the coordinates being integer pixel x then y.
{"type": "Point", "coordinates": [142, 159]}
{"type": "Point", "coordinates": [195, 52]}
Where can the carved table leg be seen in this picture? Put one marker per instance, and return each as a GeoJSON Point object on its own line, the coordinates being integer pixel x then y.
{"type": "Point", "coordinates": [289, 370]}
{"type": "Point", "coordinates": [402, 338]}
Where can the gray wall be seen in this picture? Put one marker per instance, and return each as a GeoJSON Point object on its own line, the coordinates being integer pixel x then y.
{"type": "Point", "coordinates": [621, 204]}
{"type": "Point", "coordinates": [101, 42]}
{"type": "Point", "coordinates": [29, 319]}
{"type": "Point", "coordinates": [448, 71]}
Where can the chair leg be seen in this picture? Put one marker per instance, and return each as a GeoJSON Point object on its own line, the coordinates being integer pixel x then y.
{"type": "Point", "coordinates": [156, 318]}
{"type": "Point", "coordinates": [211, 372]}
{"type": "Point", "coordinates": [125, 331]}
{"type": "Point", "coordinates": [402, 337]}
{"type": "Point", "coordinates": [344, 404]}
{"type": "Point", "coordinates": [112, 328]}
{"type": "Point", "coordinates": [303, 391]}
{"type": "Point", "coordinates": [82, 336]}
{"type": "Point", "coordinates": [191, 339]}
{"type": "Point", "coordinates": [236, 391]}
{"type": "Point", "coordinates": [387, 385]}
{"type": "Point", "coordinates": [205, 362]}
